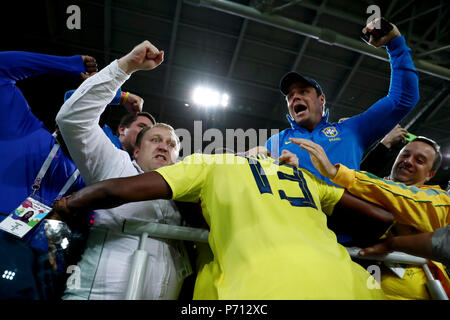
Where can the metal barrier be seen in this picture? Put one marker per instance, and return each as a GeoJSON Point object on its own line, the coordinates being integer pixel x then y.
{"type": "Point", "coordinates": [165, 231]}
{"type": "Point", "coordinates": [140, 256]}
{"type": "Point", "coordinates": [434, 286]}
{"type": "Point", "coordinates": [137, 271]}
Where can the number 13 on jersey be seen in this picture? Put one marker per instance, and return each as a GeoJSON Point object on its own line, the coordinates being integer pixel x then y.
{"type": "Point", "coordinates": [264, 186]}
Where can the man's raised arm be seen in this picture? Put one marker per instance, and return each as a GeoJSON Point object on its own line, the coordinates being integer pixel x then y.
{"type": "Point", "coordinates": [403, 93]}
{"type": "Point", "coordinates": [16, 118]}
{"type": "Point", "coordinates": [79, 116]}
{"type": "Point", "coordinates": [18, 65]}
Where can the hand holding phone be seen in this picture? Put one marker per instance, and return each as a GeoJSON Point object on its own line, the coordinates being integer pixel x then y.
{"type": "Point", "coordinates": [373, 36]}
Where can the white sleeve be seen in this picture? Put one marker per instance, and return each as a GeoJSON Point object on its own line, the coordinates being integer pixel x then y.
{"type": "Point", "coordinates": [94, 154]}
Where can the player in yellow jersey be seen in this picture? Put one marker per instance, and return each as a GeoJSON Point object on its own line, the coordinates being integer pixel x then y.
{"type": "Point", "coordinates": [417, 208]}
{"type": "Point", "coordinates": [267, 220]}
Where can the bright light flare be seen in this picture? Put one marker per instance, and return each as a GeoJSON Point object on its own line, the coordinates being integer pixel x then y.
{"type": "Point", "coordinates": [224, 100]}
{"type": "Point", "coordinates": [209, 98]}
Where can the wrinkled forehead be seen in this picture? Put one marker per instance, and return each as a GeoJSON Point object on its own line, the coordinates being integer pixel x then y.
{"type": "Point", "coordinates": [164, 133]}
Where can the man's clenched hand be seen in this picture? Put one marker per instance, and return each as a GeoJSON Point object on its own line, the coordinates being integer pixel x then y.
{"type": "Point", "coordinates": [145, 56]}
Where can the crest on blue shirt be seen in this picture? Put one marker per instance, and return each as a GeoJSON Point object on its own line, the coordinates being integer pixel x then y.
{"type": "Point", "coordinates": [330, 132]}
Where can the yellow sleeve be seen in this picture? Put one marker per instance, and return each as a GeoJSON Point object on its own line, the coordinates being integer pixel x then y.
{"type": "Point", "coordinates": [424, 209]}
{"type": "Point", "coordinates": [186, 178]}
{"type": "Point", "coordinates": [328, 195]}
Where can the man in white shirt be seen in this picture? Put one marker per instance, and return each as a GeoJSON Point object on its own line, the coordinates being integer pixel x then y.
{"type": "Point", "coordinates": [105, 265]}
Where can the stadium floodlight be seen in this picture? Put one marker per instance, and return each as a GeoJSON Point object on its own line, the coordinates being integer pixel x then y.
{"type": "Point", "coordinates": [224, 100]}
{"type": "Point", "coordinates": [209, 97]}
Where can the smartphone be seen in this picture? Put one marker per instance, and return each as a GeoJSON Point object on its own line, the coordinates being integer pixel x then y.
{"type": "Point", "coordinates": [410, 137]}
{"type": "Point", "coordinates": [385, 28]}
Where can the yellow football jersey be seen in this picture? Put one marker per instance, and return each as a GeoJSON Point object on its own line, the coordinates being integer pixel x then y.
{"type": "Point", "coordinates": [268, 231]}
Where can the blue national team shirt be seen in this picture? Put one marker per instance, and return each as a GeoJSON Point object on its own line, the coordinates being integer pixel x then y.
{"type": "Point", "coordinates": [346, 142]}
{"type": "Point", "coordinates": [24, 141]}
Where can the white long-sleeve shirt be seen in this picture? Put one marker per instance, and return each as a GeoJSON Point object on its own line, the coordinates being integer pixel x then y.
{"type": "Point", "coordinates": [105, 264]}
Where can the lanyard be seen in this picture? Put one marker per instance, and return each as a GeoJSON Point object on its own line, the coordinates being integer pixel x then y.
{"type": "Point", "coordinates": [68, 184]}
{"type": "Point", "coordinates": [37, 182]}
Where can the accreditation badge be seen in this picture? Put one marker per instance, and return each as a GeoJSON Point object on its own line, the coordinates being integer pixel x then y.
{"type": "Point", "coordinates": [25, 217]}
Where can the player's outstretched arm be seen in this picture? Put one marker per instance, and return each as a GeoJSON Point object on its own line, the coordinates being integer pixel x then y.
{"type": "Point", "coordinates": [418, 245]}
{"type": "Point", "coordinates": [353, 204]}
{"type": "Point", "coordinates": [112, 193]}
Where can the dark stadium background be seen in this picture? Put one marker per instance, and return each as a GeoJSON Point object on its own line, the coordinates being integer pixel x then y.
{"type": "Point", "coordinates": [242, 55]}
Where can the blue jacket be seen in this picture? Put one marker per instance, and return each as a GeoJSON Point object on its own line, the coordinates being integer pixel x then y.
{"type": "Point", "coordinates": [24, 141]}
{"type": "Point", "coordinates": [346, 142]}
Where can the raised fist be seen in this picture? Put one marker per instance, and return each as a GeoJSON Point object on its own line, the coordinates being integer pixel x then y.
{"type": "Point", "coordinates": [144, 56]}
{"type": "Point", "coordinates": [90, 65]}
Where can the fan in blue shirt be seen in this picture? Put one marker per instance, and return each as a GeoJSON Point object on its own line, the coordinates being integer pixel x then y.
{"type": "Point", "coordinates": [25, 143]}
{"type": "Point", "coordinates": [346, 142]}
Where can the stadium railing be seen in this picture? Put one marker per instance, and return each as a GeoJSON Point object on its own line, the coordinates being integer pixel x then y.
{"type": "Point", "coordinates": [165, 231]}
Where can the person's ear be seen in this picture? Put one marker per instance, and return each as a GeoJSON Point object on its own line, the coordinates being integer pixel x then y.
{"type": "Point", "coordinates": [322, 101]}
{"type": "Point", "coordinates": [121, 130]}
{"type": "Point", "coordinates": [135, 152]}
{"type": "Point", "coordinates": [430, 175]}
